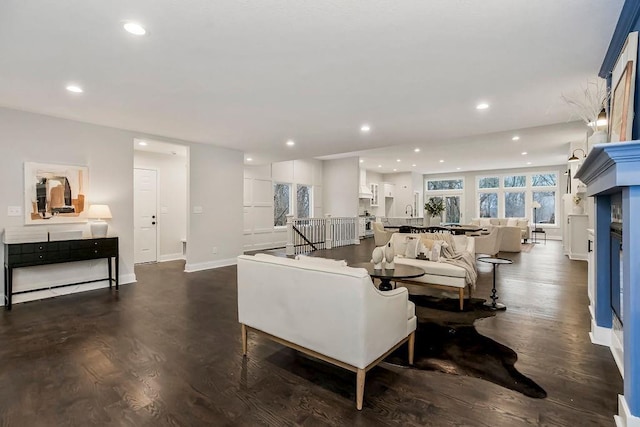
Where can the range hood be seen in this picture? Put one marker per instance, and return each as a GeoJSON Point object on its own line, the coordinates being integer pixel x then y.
{"type": "Point", "coordinates": [365, 192]}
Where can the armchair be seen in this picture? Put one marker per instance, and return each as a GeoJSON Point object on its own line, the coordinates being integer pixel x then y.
{"type": "Point", "coordinates": [380, 235]}
{"type": "Point", "coordinates": [490, 244]}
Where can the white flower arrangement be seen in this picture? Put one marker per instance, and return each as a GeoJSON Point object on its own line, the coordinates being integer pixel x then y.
{"type": "Point", "coordinates": [577, 199]}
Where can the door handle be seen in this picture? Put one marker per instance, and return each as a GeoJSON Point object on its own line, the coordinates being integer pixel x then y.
{"type": "Point", "coordinates": [589, 246]}
{"type": "Point", "coordinates": [153, 223]}
{"type": "Point", "coordinates": [153, 216]}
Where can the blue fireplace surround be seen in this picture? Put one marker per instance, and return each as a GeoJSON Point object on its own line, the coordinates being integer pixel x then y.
{"type": "Point", "coordinates": [609, 170]}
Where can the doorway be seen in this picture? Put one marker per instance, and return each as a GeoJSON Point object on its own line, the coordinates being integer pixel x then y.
{"type": "Point", "coordinates": [145, 203]}
{"type": "Point", "coordinates": [161, 189]}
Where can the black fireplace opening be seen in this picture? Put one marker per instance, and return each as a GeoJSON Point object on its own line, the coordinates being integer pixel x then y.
{"type": "Point", "coordinates": [616, 270]}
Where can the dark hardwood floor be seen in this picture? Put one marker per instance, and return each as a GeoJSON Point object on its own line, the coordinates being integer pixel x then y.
{"type": "Point", "coordinates": [166, 351]}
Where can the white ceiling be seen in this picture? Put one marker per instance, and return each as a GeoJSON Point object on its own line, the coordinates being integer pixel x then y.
{"type": "Point", "coordinates": [249, 75]}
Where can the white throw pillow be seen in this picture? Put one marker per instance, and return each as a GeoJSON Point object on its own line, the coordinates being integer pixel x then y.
{"type": "Point", "coordinates": [522, 223]}
{"type": "Point", "coordinates": [435, 251]}
{"type": "Point", "coordinates": [324, 262]}
{"type": "Point", "coordinates": [413, 247]}
{"type": "Point", "coordinates": [485, 222]}
{"type": "Point", "coordinates": [512, 222]}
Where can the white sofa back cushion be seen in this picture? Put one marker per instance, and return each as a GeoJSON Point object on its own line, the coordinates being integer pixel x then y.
{"type": "Point", "coordinates": [335, 311]}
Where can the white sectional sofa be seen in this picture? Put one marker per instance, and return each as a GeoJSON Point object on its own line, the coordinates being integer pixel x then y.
{"type": "Point", "coordinates": [521, 223]}
{"type": "Point", "coordinates": [438, 274]}
{"type": "Point", "coordinates": [324, 309]}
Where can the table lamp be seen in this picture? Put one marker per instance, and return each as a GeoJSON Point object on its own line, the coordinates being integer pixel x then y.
{"type": "Point", "coordinates": [99, 213]}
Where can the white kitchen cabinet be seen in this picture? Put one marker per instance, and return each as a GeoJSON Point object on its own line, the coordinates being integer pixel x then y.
{"type": "Point", "coordinates": [374, 191]}
{"type": "Point", "coordinates": [389, 190]}
{"type": "Point", "coordinates": [361, 226]}
{"type": "Point", "coordinates": [577, 236]}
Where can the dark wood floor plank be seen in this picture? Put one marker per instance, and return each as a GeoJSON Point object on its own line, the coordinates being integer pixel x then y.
{"type": "Point", "coordinates": [166, 351]}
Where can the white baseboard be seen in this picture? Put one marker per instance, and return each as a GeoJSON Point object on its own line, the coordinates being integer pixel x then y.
{"type": "Point", "coordinates": [208, 265]}
{"type": "Point", "coordinates": [600, 335]}
{"type": "Point", "coordinates": [171, 257]}
{"type": "Point", "coordinates": [68, 290]}
{"type": "Point", "coordinates": [578, 257]}
{"type": "Point", "coordinates": [624, 417]}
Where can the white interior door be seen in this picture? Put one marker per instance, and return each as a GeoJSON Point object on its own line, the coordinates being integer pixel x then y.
{"type": "Point", "coordinates": [145, 194]}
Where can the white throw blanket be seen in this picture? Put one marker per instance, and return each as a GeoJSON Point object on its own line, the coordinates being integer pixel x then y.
{"type": "Point", "coordinates": [466, 261]}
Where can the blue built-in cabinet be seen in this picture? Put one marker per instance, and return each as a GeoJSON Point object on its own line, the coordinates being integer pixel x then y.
{"type": "Point", "coordinates": [612, 175]}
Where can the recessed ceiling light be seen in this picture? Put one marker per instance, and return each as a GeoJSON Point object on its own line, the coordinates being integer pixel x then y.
{"type": "Point", "coordinates": [414, 165]}
{"type": "Point", "coordinates": [249, 159]}
{"type": "Point", "coordinates": [398, 160]}
{"type": "Point", "coordinates": [74, 89]}
{"type": "Point", "coordinates": [441, 161]}
{"type": "Point", "coordinates": [365, 128]}
{"type": "Point", "coordinates": [291, 143]}
{"type": "Point", "coordinates": [482, 106]}
{"type": "Point", "coordinates": [135, 28]}
{"type": "Point", "coordinates": [458, 169]}
{"type": "Point", "coordinates": [416, 150]}
{"type": "Point", "coordinates": [528, 163]}
{"type": "Point", "coordinates": [395, 170]}
{"type": "Point", "coordinates": [361, 161]}
{"type": "Point", "coordinates": [524, 153]}
{"type": "Point", "coordinates": [379, 166]}
{"type": "Point", "coordinates": [515, 138]}
{"type": "Point", "coordinates": [142, 143]}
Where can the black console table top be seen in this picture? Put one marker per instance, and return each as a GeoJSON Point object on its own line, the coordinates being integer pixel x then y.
{"type": "Point", "coordinates": [18, 255]}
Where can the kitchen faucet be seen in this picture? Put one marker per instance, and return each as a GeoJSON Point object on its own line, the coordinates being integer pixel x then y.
{"type": "Point", "coordinates": [409, 210]}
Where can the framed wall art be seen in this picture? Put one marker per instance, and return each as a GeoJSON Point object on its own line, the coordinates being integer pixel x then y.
{"type": "Point", "coordinates": [55, 193]}
{"type": "Point", "coordinates": [621, 116]}
{"type": "Point", "coordinates": [623, 77]}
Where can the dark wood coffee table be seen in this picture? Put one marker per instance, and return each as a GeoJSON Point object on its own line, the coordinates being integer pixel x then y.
{"type": "Point", "coordinates": [386, 276]}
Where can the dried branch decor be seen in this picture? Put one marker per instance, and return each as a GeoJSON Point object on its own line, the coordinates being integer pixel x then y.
{"type": "Point", "coordinates": [589, 102]}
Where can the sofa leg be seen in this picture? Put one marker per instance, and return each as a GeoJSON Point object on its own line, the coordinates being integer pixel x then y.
{"type": "Point", "coordinates": [244, 339]}
{"type": "Point", "coordinates": [360, 388]}
{"type": "Point", "coordinates": [461, 292]}
{"type": "Point", "coordinates": [412, 345]}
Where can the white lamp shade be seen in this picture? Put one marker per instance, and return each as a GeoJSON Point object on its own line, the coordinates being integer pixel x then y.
{"type": "Point", "coordinates": [99, 212]}
{"type": "Point", "coordinates": [536, 205]}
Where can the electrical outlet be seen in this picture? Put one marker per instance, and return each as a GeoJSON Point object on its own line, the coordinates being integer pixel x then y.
{"type": "Point", "coordinates": [214, 250]}
{"type": "Point", "coordinates": [14, 211]}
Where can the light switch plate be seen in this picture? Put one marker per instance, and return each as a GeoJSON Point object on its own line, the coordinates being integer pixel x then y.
{"type": "Point", "coordinates": [164, 210]}
{"type": "Point", "coordinates": [197, 209]}
{"type": "Point", "coordinates": [14, 211]}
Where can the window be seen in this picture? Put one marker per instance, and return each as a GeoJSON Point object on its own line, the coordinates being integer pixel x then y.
{"type": "Point", "coordinates": [489, 182]}
{"type": "Point", "coordinates": [281, 203]}
{"type": "Point", "coordinates": [544, 180]}
{"type": "Point", "coordinates": [514, 205]}
{"type": "Point", "coordinates": [515, 181]}
{"type": "Point", "coordinates": [488, 203]}
{"type": "Point", "coordinates": [303, 201]}
{"type": "Point", "coordinates": [546, 214]}
{"type": "Point", "coordinates": [445, 184]}
{"type": "Point", "coordinates": [450, 191]}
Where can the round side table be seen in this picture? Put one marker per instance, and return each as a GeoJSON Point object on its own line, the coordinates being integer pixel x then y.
{"type": "Point", "coordinates": [496, 262]}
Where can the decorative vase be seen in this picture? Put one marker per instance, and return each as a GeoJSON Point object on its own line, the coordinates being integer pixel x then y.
{"type": "Point", "coordinates": [388, 256]}
{"type": "Point", "coordinates": [434, 221]}
{"type": "Point", "coordinates": [577, 209]}
{"type": "Point", "coordinates": [377, 256]}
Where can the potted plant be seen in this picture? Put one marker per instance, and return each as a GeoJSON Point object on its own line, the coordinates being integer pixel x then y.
{"type": "Point", "coordinates": [434, 208]}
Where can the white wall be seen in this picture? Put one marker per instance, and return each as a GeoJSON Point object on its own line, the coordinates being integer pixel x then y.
{"type": "Point", "coordinates": [378, 211]}
{"type": "Point", "coordinates": [215, 184]}
{"type": "Point", "coordinates": [107, 152]}
{"type": "Point", "coordinates": [259, 232]}
{"type": "Point", "coordinates": [470, 199]}
{"type": "Point", "coordinates": [172, 200]}
{"type": "Point", "coordinates": [341, 184]}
